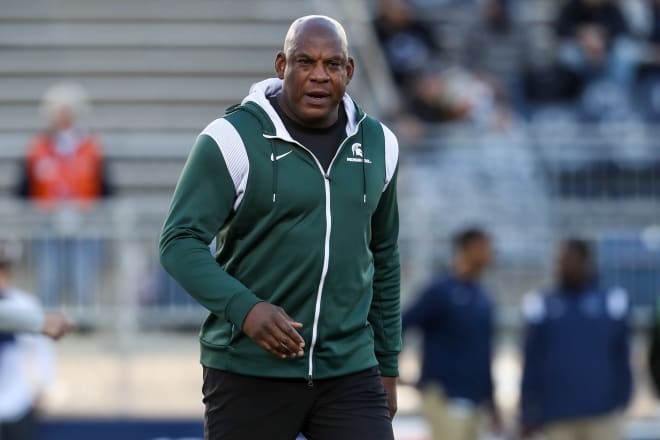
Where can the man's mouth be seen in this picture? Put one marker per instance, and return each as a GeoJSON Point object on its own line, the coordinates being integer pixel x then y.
{"type": "Point", "coordinates": [317, 95]}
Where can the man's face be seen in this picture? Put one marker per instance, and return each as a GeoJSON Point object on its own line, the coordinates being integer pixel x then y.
{"type": "Point", "coordinates": [315, 72]}
{"type": "Point", "coordinates": [572, 269]}
{"type": "Point", "coordinates": [480, 254]}
{"type": "Point", "coordinates": [62, 119]}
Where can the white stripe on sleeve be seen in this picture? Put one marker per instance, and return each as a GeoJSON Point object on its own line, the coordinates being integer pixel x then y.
{"type": "Point", "coordinates": [391, 154]}
{"type": "Point", "coordinates": [233, 151]}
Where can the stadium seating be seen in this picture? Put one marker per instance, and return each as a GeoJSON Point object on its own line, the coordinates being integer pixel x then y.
{"type": "Point", "coordinates": [156, 71]}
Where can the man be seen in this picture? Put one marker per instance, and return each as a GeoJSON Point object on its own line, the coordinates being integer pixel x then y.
{"type": "Point", "coordinates": [454, 315]}
{"type": "Point", "coordinates": [299, 185]}
{"type": "Point", "coordinates": [596, 42]}
{"type": "Point", "coordinates": [21, 353]}
{"type": "Point", "coordinates": [576, 377]}
{"type": "Point", "coordinates": [408, 42]}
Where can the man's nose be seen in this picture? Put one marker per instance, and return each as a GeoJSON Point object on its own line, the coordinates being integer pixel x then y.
{"type": "Point", "coordinates": [319, 73]}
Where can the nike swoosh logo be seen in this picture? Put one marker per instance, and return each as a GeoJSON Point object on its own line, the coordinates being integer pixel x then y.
{"type": "Point", "coordinates": [274, 158]}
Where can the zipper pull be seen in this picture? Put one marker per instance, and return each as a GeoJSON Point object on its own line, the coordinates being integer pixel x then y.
{"type": "Point", "coordinates": [310, 382]}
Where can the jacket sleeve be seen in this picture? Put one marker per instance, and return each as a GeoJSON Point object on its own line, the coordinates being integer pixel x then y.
{"type": "Point", "coordinates": [425, 310]}
{"type": "Point", "coordinates": [20, 318]}
{"type": "Point", "coordinates": [531, 390]}
{"type": "Point", "coordinates": [490, 396]}
{"type": "Point", "coordinates": [202, 203]}
{"type": "Point", "coordinates": [654, 356]}
{"type": "Point", "coordinates": [385, 312]}
{"type": "Point", "coordinates": [622, 364]}
{"type": "Point", "coordinates": [621, 360]}
{"type": "Point", "coordinates": [617, 304]}
{"type": "Point", "coordinates": [531, 405]}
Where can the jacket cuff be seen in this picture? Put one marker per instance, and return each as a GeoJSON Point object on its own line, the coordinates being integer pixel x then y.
{"type": "Point", "coordinates": [239, 306]}
{"type": "Point", "coordinates": [388, 363]}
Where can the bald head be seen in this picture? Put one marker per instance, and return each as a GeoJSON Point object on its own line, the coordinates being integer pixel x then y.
{"type": "Point", "coordinates": [314, 26]}
{"type": "Point", "coordinates": [315, 69]}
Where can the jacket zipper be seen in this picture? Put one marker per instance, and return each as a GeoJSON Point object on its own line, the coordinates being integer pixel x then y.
{"type": "Point", "coordinates": [326, 249]}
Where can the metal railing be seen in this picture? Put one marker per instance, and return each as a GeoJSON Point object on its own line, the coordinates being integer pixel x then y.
{"type": "Point", "coordinates": [527, 188]}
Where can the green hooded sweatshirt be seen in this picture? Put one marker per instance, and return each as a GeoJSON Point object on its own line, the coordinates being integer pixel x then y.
{"type": "Point", "coordinates": [323, 246]}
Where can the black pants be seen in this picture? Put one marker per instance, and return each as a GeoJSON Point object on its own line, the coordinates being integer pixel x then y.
{"type": "Point", "coordinates": [352, 407]}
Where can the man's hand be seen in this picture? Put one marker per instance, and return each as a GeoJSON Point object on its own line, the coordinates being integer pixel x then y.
{"type": "Point", "coordinates": [273, 330]}
{"type": "Point", "coordinates": [389, 383]}
{"type": "Point", "coordinates": [56, 326]}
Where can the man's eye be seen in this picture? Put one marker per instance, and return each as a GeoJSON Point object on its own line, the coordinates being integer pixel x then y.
{"type": "Point", "coordinates": [305, 61]}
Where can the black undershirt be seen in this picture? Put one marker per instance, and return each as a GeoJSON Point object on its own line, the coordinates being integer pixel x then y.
{"type": "Point", "coordinates": [322, 142]}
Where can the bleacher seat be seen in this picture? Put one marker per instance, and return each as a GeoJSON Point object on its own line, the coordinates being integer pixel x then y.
{"type": "Point", "coordinates": [157, 72]}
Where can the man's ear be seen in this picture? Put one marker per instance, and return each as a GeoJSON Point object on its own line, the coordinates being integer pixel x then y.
{"type": "Point", "coordinates": [350, 69]}
{"type": "Point", "coordinates": [280, 64]}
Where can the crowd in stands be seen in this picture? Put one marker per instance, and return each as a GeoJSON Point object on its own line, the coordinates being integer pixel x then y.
{"type": "Point", "coordinates": [598, 60]}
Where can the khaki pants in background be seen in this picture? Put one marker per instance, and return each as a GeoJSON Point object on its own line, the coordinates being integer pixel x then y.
{"type": "Point", "coordinates": [448, 419]}
{"type": "Point", "coordinates": [606, 427]}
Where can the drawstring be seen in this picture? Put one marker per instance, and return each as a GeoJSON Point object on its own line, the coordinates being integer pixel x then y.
{"type": "Point", "coordinates": [273, 159]}
{"type": "Point", "coordinates": [364, 170]}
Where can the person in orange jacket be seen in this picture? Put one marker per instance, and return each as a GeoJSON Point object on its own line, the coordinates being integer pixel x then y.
{"type": "Point", "coordinates": [64, 176]}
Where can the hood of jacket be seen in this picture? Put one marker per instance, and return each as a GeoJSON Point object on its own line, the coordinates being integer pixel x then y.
{"type": "Point", "coordinates": [261, 91]}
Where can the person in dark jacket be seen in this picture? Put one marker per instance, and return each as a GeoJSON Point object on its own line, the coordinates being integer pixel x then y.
{"type": "Point", "coordinates": [596, 41]}
{"type": "Point", "coordinates": [454, 314]}
{"type": "Point", "coordinates": [576, 376]}
{"type": "Point", "coordinates": [408, 43]}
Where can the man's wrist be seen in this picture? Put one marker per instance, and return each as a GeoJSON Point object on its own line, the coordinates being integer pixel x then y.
{"type": "Point", "coordinates": [239, 307]}
{"type": "Point", "coordinates": [388, 363]}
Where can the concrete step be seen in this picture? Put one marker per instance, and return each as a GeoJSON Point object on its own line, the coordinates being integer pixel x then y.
{"type": "Point", "coordinates": [128, 116]}
{"type": "Point", "coordinates": [116, 145]}
{"type": "Point", "coordinates": [144, 34]}
{"type": "Point", "coordinates": [162, 61]}
{"type": "Point", "coordinates": [134, 88]}
{"type": "Point", "coordinates": [156, 10]}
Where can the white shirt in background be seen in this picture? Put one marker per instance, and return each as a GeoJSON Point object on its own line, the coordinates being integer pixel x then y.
{"type": "Point", "coordinates": [26, 364]}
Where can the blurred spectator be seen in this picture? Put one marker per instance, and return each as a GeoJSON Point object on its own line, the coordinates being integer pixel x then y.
{"type": "Point", "coordinates": [432, 99]}
{"type": "Point", "coordinates": [496, 49]}
{"type": "Point", "coordinates": [649, 69]}
{"type": "Point", "coordinates": [576, 377]}
{"type": "Point", "coordinates": [64, 176]}
{"type": "Point", "coordinates": [455, 316]}
{"type": "Point", "coordinates": [595, 41]}
{"type": "Point", "coordinates": [547, 82]}
{"type": "Point", "coordinates": [20, 355]}
{"type": "Point", "coordinates": [654, 32]}
{"type": "Point", "coordinates": [456, 95]}
{"type": "Point", "coordinates": [407, 42]}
